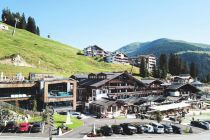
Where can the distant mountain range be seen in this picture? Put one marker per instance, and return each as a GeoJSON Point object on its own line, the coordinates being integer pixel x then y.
{"type": "Point", "coordinates": [196, 52]}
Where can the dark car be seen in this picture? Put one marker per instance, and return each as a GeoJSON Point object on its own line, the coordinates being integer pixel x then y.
{"type": "Point", "coordinates": [36, 127]}
{"type": "Point", "coordinates": [168, 128]}
{"type": "Point", "coordinates": [106, 130]}
{"type": "Point", "coordinates": [117, 129]}
{"type": "Point", "coordinates": [128, 129]}
{"type": "Point", "coordinates": [176, 129]}
{"type": "Point", "coordinates": [1, 127]}
{"type": "Point", "coordinates": [208, 121]}
{"type": "Point", "coordinates": [99, 116]}
{"type": "Point", "coordinates": [11, 127]}
{"type": "Point", "coordinates": [200, 124]}
{"type": "Point", "coordinates": [140, 129]}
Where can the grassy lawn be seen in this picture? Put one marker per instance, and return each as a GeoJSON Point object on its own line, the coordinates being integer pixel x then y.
{"type": "Point", "coordinates": [206, 114]}
{"type": "Point", "coordinates": [36, 119]}
{"type": "Point", "coordinates": [59, 119]}
{"type": "Point", "coordinates": [120, 118]}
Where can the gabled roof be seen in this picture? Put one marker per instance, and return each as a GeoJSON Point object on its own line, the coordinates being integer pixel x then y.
{"type": "Point", "coordinates": [104, 102]}
{"type": "Point", "coordinates": [110, 77]}
{"type": "Point", "coordinates": [178, 86]}
{"type": "Point", "coordinates": [80, 76]}
{"type": "Point", "coordinates": [149, 81]}
{"type": "Point", "coordinates": [196, 83]}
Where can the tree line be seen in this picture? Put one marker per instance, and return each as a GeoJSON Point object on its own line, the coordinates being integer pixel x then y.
{"type": "Point", "coordinates": [172, 64]}
{"type": "Point", "coordinates": [9, 17]}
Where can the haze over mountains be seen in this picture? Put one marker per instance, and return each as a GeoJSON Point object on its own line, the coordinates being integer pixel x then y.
{"type": "Point", "coordinates": [190, 52]}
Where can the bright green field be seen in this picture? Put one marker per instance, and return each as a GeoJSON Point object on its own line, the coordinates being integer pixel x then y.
{"type": "Point", "coordinates": [59, 119]}
{"type": "Point", "coordinates": [53, 56]}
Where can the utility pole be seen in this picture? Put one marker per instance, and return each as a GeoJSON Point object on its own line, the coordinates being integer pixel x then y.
{"type": "Point", "coordinates": [16, 21]}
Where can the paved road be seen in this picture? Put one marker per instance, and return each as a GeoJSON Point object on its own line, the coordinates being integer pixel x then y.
{"type": "Point", "coordinates": [80, 132]}
{"type": "Point", "coordinates": [200, 136]}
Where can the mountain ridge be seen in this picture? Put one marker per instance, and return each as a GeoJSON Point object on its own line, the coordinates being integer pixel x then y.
{"type": "Point", "coordinates": [187, 50]}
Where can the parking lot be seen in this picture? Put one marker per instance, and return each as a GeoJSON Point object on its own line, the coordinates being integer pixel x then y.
{"type": "Point", "coordinates": [44, 133]}
{"type": "Point", "coordinates": [88, 126]}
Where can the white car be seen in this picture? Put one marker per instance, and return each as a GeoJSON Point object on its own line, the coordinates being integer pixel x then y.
{"type": "Point", "coordinates": [77, 115]}
{"type": "Point", "coordinates": [148, 128]}
{"type": "Point", "coordinates": [158, 128]}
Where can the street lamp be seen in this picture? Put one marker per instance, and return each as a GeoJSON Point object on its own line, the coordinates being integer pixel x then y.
{"type": "Point", "coordinates": [16, 21]}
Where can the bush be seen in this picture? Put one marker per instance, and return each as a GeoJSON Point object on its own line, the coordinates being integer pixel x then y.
{"type": "Point", "coordinates": [80, 53]}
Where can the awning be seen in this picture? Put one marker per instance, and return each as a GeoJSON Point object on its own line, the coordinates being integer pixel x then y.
{"type": "Point", "coordinates": [170, 106]}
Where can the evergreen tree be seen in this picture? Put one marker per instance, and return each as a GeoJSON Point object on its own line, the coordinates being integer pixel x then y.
{"type": "Point", "coordinates": [3, 15]}
{"type": "Point", "coordinates": [23, 22]}
{"type": "Point", "coordinates": [37, 31]}
{"type": "Point", "coordinates": [154, 71]}
{"type": "Point", "coordinates": [163, 62]}
{"type": "Point", "coordinates": [193, 70]}
{"type": "Point", "coordinates": [7, 17]}
{"type": "Point", "coordinates": [208, 78]}
{"type": "Point", "coordinates": [159, 116]}
{"type": "Point", "coordinates": [143, 69]}
{"type": "Point", "coordinates": [163, 65]}
{"type": "Point", "coordinates": [31, 25]}
{"type": "Point", "coordinates": [171, 64]}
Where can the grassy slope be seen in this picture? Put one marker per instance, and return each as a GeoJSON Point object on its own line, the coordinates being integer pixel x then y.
{"type": "Point", "coordinates": [53, 56]}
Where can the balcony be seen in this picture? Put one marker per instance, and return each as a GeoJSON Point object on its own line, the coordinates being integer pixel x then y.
{"type": "Point", "coordinates": [15, 97]}
{"type": "Point", "coordinates": [56, 94]}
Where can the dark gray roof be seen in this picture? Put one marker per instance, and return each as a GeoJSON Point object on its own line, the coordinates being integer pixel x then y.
{"type": "Point", "coordinates": [175, 86]}
{"type": "Point", "coordinates": [196, 83]}
{"type": "Point", "coordinates": [109, 77]}
{"type": "Point", "coordinates": [104, 102]}
{"type": "Point", "coordinates": [80, 76]}
{"type": "Point", "coordinates": [149, 81]}
{"type": "Point", "coordinates": [178, 86]}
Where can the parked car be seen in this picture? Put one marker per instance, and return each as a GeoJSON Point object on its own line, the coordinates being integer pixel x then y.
{"type": "Point", "coordinates": [128, 129]}
{"type": "Point", "coordinates": [148, 128]}
{"type": "Point", "coordinates": [168, 128]}
{"type": "Point", "coordinates": [75, 114]}
{"type": "Point", "coordinates": [140, 129]}
{"type": "Point", "coordinates": [200, 124]}
{"type": "Point", "coordinates": [158, 128]}
{"type": "Point", "coordinates": [106, 130]}
{"type": "Point", "coordinates": [36, 127]}
{"type": "Point", "coordinates": [117, 129]}
{"type": "Point", "coordinates": [11, 127]}
{"type": "Point", "coordinates": [1, 127]}
{"type": "Point", "coordinates": [208, 121]}
{"type": "Point", "coordinates": [99, 116]}
{"type": "Point", "coordinates": [24, 127]}
{"type": "Point", "coordinates": [176, 129]}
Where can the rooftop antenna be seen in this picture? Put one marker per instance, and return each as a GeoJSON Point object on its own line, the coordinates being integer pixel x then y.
{"type": "Point", "coordinates": [16, 21]}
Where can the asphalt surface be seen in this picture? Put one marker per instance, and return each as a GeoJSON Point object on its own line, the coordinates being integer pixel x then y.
{"type": "Point", "coordinates": [79, 133]}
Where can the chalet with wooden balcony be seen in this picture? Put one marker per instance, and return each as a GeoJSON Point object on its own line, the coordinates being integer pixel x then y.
{"type": "Point", "coordinates": [108, 85]}
{"type": "Point", "coordinates": [118, 58]}
{"type": "Point", "coordinates": [179, 89]}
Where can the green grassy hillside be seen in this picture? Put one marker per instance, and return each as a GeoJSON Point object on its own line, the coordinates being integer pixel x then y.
{"type": "Point", "coordinates": [48, 56]}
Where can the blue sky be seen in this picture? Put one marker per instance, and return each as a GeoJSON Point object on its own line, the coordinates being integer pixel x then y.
{"type": "Point", "coordinates": [112, 24]}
